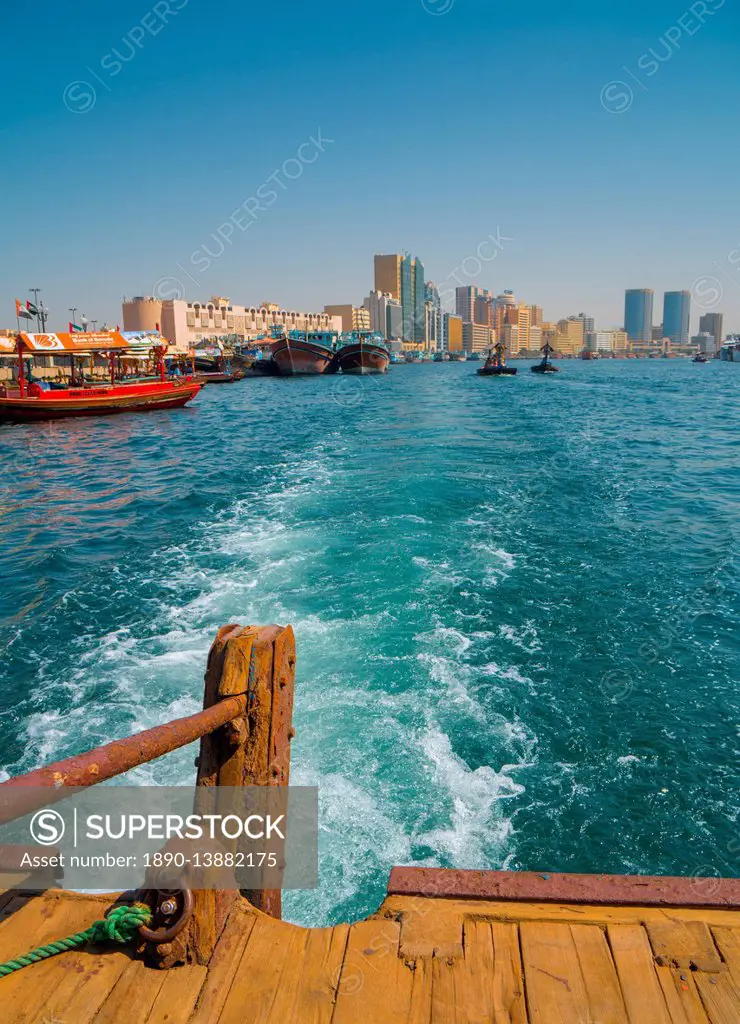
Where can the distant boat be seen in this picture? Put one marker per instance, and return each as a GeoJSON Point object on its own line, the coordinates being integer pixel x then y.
{"type": "Point", "coordinates": [700, 358]}
{"type": "Point", "coordinates": [546, 366]}
{"type": "Point", "coordinates": [363, 352]}
{"type": "Point", "coordinates": [587, 354]}
{"type": "Point", "coordinates": [473, 357]}
{"type": "Point", "coordinates": [457, 357]}
{"type": "Point", "coordinates": [303, 353]}
{"type": "Point", "coordinates": [495, 365]}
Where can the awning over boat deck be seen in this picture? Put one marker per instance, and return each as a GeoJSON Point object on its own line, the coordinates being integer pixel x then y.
{"type": "Point", "coordinates": [80, 342]}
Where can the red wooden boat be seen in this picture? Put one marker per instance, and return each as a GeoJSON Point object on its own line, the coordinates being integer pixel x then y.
{"type": "Point", "coordinates": [304, 352]}
{"type": "Point", "coordinates": [366, 354]}
{"type": "Point", "coordinates": [33, 401]}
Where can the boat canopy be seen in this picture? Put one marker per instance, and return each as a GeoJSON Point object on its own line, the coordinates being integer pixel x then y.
{"type": "Point", "coordinates": [81, 341]}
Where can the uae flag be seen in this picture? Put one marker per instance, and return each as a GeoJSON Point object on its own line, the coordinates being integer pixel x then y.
{"type": "Point", "coordinates": [21, 311]}
{"type": "Point", "coordinates": [32, 309]}
{"type": "Point", "coordinates": [74, 328]}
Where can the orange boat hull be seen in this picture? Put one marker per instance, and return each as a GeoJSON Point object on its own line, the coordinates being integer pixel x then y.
{"type": "Point", "coordinates": [103, 401]}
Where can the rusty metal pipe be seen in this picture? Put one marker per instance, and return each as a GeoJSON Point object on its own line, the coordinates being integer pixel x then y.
{"type": "Point", "coordinates": [116, 758]}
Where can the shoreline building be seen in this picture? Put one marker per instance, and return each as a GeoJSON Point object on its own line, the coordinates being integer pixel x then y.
{"type": "Point", "coordinates": [184, 324]}
{"type": "Point", "coordinates": [569, 337]}
{"type": "Point", "coordinates": [353, 318]}
{"type": "Point", "coordinates": [403, 277]}
{"type": "Point", "coordinates": [454, 332]}
{"type": "Point", "coordinates": [385, 315]}
{"type": "Point", "coordinates": [510, 313]}
{"type": "Point", "coordinates": [436, 321]}
{"type": "Point", "coordinates": [677, 317]}
{"type": "Point", "coordinates": [711, 323]}
{"type": "Point", "coordinates": [638, 314]}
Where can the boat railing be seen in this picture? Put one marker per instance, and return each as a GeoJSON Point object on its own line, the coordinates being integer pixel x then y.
{"type": "Point", "coordinates": [245, 729]}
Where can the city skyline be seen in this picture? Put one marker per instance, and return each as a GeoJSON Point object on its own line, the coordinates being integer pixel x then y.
{"type": "Point", "coordinates": [173, 174]}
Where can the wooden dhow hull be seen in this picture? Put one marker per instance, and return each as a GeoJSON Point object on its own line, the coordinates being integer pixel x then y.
{"type": "Point", "coordinates": [301, 358]}
{"type": "Point", "coordinates": [364, 357]}
{"type": "Point", "coordinates": [103, 401]}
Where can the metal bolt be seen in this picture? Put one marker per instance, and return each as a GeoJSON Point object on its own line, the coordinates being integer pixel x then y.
{"type": "Point", "coordinates": [168, 907]}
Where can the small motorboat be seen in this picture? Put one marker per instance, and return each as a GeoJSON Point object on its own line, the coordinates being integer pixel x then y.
{"type": "Point", "coordinates": [546, 366]}
{"type": "Point", "coordinates": [224, 377]}
{"type": "Point", "coordinates": [700, 358]}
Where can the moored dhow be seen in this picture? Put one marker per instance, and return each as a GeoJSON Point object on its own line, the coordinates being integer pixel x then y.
{"type": "Point", "coordinates": [300, 353]}
{"type": "Point", "coordinates": [363, 352]}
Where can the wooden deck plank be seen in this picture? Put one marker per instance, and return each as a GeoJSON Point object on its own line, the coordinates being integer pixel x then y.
{"type": "Point", "coordinates": [462, 987]}
{"type": "Point", "coordinates": [178, 995]}
{"type": "Point", "coordinates": [556, 993]}
{"type": "Point", "coordinates": [682, 999]}
{"type": "Point", "coordinates": [376, 984]}
{"type": "Point", "coordinates": [223, 966]}
{"type": "Point", "coordinates": [269, 958]}
{"type": "Point", "coordinates": [720, 997]}
{"type": "Point", "coordinates": [132, 997]}
{"type": "Point", "coordinates": [642, 993]}
{"type": "Point", "coordinates": [307, 991]}
{"type": "Point", "coordinates": [728, 943]}
{"type": "Point", "coordinates": [555, 912]}
{"type": "Point", "coordinates": [685, 943]}
{"type": "Point", "coordinates": [599, 973]}
{"type": "Point", "coordinates": [431, 931]}
{"type": "Point", "coordinates": [38, 990]}
{"type": "Point", "coordinates": [73, 989]}
{"type": "Point", "coordinates": [508, 976]}
{"type": "Point", "coordinates": [420, 1007]}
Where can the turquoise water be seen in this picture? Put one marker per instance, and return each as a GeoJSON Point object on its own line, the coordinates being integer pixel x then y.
{"type": "Point", "coordinates": [516, 605]}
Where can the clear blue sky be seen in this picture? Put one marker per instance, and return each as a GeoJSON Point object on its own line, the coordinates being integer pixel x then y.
{"type": "Point", "coordinates": [451, 120]}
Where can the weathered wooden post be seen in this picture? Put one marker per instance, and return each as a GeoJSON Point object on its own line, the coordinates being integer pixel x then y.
{"type": "Point", "coordinates": [257, 663]}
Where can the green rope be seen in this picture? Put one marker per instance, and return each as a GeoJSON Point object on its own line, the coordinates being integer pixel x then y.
{"type": "Point", "coordinates": [121, 925]}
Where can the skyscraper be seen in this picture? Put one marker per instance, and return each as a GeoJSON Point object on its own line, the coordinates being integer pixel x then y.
{"type": "Point", "coordinates": [385, 314]}
{"type": "Point", "coordinates": [711, 323]}
{"type": "Point", "coordinates": [638, 314]}
{"type": "Point", "coordinates": [677, 316]}
{"type": "Point", "coordinates": [474, 305]}
{"type": "Point", "coordinates": [403, 278]}
{"type": "Point", "coordinates": [436, 322]}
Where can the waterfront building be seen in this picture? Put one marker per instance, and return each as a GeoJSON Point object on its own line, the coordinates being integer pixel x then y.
{"type": "Point", "coordinates": [436, 323]}
{"type": "Point", "coordinates": [657, 333]}
{"type": "Point", "coordinates": [454, 332]}
{"type": "Point", "coordinates": [353, 318]}
{"type": "Point", "coordinates": [477, 337]}
{"type": "Point", "coordinates": [677, 316]}
{"type": "Point", "coordinates": [704, 342]}
{"type": "Point", "coordinates": [385, 314]}
{"type": "Point", "coordinates": [535, 316]}
{"type": "Point", "coordinates": [484, 310]}
{"type": "Point", "coordinates": [587, 321]}
{"type": "Point", "coordinates": [509, 312]}
{"type": "Point", "coordinates": [711, 323]}
{"type": "Point", "coordinates": [403, 277]}
{"type": "Point", "coordinates": [638, 314]}
{"type": "Point", "coordinates": [509, 337]}
{"type": "Point", "coordinates": [536, 338]}
{"type": "Point", "coordinates": [602, 341]}
{"type": "Point", "coordinates": [569, 338]}
{"type": "Point", "coordinates": [474, 305]}
{"type": "Point", "coordinates": [184, 324]}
